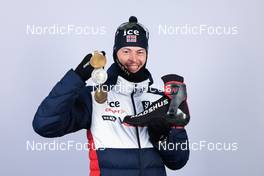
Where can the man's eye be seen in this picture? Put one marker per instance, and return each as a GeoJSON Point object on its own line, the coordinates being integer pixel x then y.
{"type": "Point", "coordinates": [125, 51]}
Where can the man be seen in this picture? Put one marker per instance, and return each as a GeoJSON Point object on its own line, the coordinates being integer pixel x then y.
{"type": "Point", "coordinates": [120, 149]}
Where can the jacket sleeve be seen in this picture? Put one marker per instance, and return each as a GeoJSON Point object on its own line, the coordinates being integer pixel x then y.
{"type": "Point", "coordinates": [66, 109]}
{"type": "Point", "coordinates": [174, 151]}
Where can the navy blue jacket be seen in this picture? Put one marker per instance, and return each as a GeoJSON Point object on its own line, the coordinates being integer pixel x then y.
{"type": "Point", "coordinates": [120, 150]}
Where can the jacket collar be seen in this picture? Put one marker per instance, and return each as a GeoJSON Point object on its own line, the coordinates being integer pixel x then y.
{"type": "Point", "coordinates": [123, 86]}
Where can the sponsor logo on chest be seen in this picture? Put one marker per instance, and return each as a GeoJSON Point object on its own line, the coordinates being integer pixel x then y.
{"type": "Point", "coordinates": [113, 111]}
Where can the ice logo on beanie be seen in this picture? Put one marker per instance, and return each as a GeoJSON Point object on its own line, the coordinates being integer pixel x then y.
{"type": "Point", "coordinates": [131, 32]}
{"type": "Point", "coordinates": [131, 35]}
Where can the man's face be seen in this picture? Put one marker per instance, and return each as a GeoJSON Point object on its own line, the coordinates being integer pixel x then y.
{"type": "Point", "coordinates": [133, 58]}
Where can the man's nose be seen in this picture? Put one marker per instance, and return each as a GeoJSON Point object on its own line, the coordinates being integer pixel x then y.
{"type": "Point", "coordinates": [133, 57]}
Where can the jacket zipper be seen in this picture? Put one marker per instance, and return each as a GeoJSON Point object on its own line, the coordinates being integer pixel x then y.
{"type": "Point", "coordinates": [137, 133]}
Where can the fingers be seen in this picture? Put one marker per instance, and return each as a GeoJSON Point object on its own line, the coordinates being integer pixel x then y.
{"type": "Point", "coordinates": [103, 53]}
{"type": "Point", "coordinates": [87, 58]}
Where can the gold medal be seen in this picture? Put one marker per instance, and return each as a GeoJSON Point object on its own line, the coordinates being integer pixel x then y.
{"type": "Point", "coordinates": [100, 96]}
{"type": "Point", "coordinates": [98, 60]}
